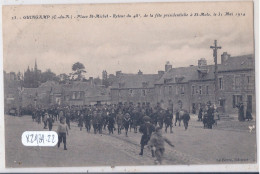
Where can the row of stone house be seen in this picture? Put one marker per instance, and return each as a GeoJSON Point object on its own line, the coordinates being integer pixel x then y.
{"type": "Point", "coordinates": [192, 86]}
{"type": "Point", "coordinates": [76, 93]}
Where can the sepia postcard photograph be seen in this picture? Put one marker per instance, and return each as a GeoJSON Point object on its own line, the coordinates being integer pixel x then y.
{"type": "Point", "coordinates": [129, 84]}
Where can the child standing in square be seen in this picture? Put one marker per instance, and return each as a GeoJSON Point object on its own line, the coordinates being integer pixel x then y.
{"type": "Point", "coordinates": [62, 130]}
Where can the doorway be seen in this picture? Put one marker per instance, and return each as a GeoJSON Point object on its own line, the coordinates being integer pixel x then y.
{"type": "Point", "coordinates": [222, 105]}
{"type": "Point", "coordinates": [249, 103]}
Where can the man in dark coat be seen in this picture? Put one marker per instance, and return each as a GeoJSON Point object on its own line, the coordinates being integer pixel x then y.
{"type": "Point", "coordinates": [200, 114]}
{"type": "Point", "coordinates": [50, 121]}
{"type": "Point", "coordinates": [186, 117]}
{"type": "Point", "coordinates": [134, 118]}
{"type": "Point", "coordinates": [68, 117]}
{"type": "Point", "coordinates": [87, 120]}
{"type": "Point", "coordinates": [81, 117]}
{"type": "Point", "coordinates": [241, 112]}
{"type": "Point", "coordinates": [210, 114]}
{"type": "Point", "coordinates": [146, 129]}
{"type": "Point", "coordinates": [95, 121]}
{"type": "Point", "coordinates": [119, 121]}
{"type": "Point", "coordinates": [168, 120]}
{"type": "Point", "coordinates": [111, 122]}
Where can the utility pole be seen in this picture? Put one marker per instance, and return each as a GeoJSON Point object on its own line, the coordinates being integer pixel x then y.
{"type": "Point", "coordinates": [215, 55]}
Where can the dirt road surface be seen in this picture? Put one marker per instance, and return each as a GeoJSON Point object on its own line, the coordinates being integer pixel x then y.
{"type": "Point", "coordinates": [228, 142]}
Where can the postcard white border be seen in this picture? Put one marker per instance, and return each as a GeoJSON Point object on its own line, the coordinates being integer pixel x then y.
{"type": "Point", "coordinates": [173, 168]}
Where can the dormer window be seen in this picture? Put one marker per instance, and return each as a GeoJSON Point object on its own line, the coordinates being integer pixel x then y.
{"type": "Point", "coordinates": [203, 72]}
{"type": "Point", "coordinates": [179, 79]}
{"type": "Point", "coordinates": [167, 80]}
{"type": "Point", "coordinates": [145, 84]}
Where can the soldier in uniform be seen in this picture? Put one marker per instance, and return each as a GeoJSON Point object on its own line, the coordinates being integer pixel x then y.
{"type": "Point", "coordinates": [105, 118]}
{"type": "Point", "coordinates": [185, 117]}
{"type": "Point", "coordinates": [55, 113]}
{"type": "Point", "coordinates": [78, 114]}
{"type": "Point", "coordinates": [68, 117]}
{"type": "Point", "coordinates": [153, 118]}
{"type": "Point", "coordinates": [50, 121]}
{"type": "Point", "coordinates": [111, 122]}
{"type": "Point", "coordinates": [99, 122]}
{"type": "Point", "coordinates": [61, 114]}
{"type": "Point", "coordinates": [45, 117]}
{"type": "Point", "coordinates": [178, 117]}
{"type": "Point", "coordinates": [140, 117]}
{"type": "Point", "coordinates": [146, 129]}
{"type": "Point", "coordinates": [81, 121]}
{"type": "Point", "coordinates": [134, 118]}
{"type": "Point", "coordinates": [168, 120]}
{"type": "Point", "coordinates": [87, 119]}
{"type": "Point", "coordinates": [34, 114]}
{"type": "Point", "coordinates": [38, 115]}
{"type": "Point", "coordinates": [148, 110]}
{"type": "Point", "coordinates": [119, 120]}
{"type": "Point", "coordinates": [200, 114]}
{"type": "Point", "coordinates": [95, 121]}
{"type": "Point", "coordinates": [126, 123]}
{"type": "Point", "coordinates": [210, 115]}
{"type": "Point", "coordinates": [205, 119]}
{"type": "Point", "coordinates": [160, 118]}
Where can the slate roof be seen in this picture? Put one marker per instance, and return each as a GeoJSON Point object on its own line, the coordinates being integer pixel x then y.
{"type": "Point", "coordinates": [76, 86]}
{"type": "Point", "coordinates": [96, 91]}
{"type": "Point", "coordinates": [57, 89]}
{"type": "Point", "coordinates": [91, 91]}
{"type": "Point", "coordinates": [135, 80]}
{"type": "Point", "coordinates": [185, 74]}
{"type": "Point", "coordinates": [238, 63]}
{"type": "Point", "coordinates": [48, 84]}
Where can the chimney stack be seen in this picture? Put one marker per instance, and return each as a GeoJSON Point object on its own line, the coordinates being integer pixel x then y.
{"type": "Point", "coordinates": [224, 57]}
{"type": "Point", "coordinates": [118, 73]}
{"type": "Point", "coordinates": [160, 73]}
{"type": "Point", "coordinates": [168, 66]}
{"type": "Point", "coordinates": [202, 62]}
{"type": "Point", "coordinates": [140, 72]}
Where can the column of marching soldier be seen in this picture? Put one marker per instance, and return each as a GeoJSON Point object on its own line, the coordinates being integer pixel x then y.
{"type": "Point", "coordinates": [116, 117]}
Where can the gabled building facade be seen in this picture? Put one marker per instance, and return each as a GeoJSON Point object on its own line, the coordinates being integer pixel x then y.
{"type": "Point", "coordinates": [236, 79]}
{"type": "Point", "coordinates": [195, 85]}
{"type": "Point", "coordinates": [187, 86]}
{"type": "Point", "coordinates": [191, 87]}
{"type": "Point", "coordinates": [134, 88]}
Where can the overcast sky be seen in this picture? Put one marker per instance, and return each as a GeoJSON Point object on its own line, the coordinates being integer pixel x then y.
{"type": "Point", "coordinates": [123, 44]}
